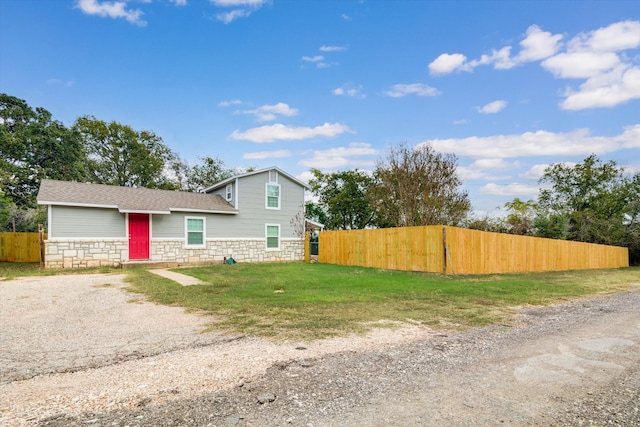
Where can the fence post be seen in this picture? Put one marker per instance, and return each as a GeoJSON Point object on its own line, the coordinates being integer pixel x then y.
{"type": "Point", "coordinates": [307, 246]}
{"type": "Point", "coordinates": [444, 250]}
{"type": "Point", "coordinates": [41, 237]}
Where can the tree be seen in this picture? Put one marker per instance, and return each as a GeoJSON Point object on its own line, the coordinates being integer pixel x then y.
{"type": "Point", "coordinates": [590, 202]}
{"type": "Point", "coordinates": [315, 212]}
{"type": "Point", "coordinates": [418, 186]}
{"type": "Point", "coordinates": [33, 147]}
{"type": "Point", "coordinates": [120, 155]}
{"type": "Point", "coordinates": [204, 174]}
{"type": "Point", "coordinates": [343, 197]}
{"type": "Point", "coordinates": [521, 216]}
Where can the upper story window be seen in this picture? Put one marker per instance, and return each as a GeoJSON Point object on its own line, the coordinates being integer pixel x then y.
{"type": "Point", "coordinates": [229, 192]}
{"type": "Point", "coordinates": [273, 176]}
{"type": "Point", "coordinates": [273, 196]}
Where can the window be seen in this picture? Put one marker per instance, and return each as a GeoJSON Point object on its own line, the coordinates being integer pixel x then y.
{"type": "Point", "coordinates": [195, 231]}
{"type": "Point", "coordinates": [273, 196]}
{"type": "Point", "coordinates": [229, 192]}
{"type": "Point", "coordinates": [273, 236]}
{"type": "Point", "coordinates": [273, 176]}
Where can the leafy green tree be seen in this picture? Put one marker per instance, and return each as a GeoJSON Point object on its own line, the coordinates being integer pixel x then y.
{"type": "Point", "coordinates": [119, 155]}
{"type": "Point", "coordinates": [521, 217]}
{"type": "Point", "coordinates": [343, 196]}
{"type": "Point", "coordinates": [205, 173]}
{"type": "Point", "coordinates": [592, 202]}
{"type": "Point", "coordinates": [485, 223]}
{"type": "Point", "coordinates": [315, 212]}
{"type": "Point", "coordinates": [418, 186]}
{"type": "Point", "coordinates": [33, 147]}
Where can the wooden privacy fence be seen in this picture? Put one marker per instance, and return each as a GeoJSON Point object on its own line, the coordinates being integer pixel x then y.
{"type": "Point", "coordinates": [20, 247]}
{"type": "Point", "coordinates": [453, 250]}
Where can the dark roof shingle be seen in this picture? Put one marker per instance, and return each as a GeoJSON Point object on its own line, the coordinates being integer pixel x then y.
{"type": "Point", "coordinates": [127, 199]}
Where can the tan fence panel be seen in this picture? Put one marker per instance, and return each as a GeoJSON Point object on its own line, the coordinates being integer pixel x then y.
{"type": "Point", "coordinates": [20, 247]}
{"type": "Point", "coordinates": [467, 251]}
{"type": "Point", "coordinates": [480, 252]}
{"type": "Point", "coordinates": [404, 248]}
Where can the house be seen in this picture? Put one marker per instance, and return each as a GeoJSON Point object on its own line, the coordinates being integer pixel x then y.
{"type": "Point", "coordinates": [253, 217]}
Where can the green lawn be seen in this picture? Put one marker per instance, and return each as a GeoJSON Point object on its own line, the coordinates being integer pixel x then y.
{"type": "Point", "coordinates": [307, 301]}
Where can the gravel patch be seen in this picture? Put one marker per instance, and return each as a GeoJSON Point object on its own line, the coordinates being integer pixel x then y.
{"type": "Point", "coordinates": [570, 364]}
{"type": "Point", "coordinates": [74, 322]}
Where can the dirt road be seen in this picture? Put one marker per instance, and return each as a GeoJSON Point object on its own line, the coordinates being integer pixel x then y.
{"type": "Point", "coordinates": [571, 364]}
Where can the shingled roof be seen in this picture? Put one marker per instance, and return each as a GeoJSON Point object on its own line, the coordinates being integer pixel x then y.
{"type": "Point", "coordinates": [127, 199]}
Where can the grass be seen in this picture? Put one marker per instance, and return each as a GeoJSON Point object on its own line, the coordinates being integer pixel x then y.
{"type": "Point", "coordinates": [309, 301]}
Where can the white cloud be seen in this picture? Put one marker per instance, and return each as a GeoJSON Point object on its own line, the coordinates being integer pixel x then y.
{"type": "Point", "coordinates": [485, 169]}
{"type": "Point", "coordinates": [447, 63]}
{"type": "Point", "coordinates": [349, 90]}
{"type": "Point", "coordinates": [535, 171]}
{"type": "Point", "coordinates": [280, 132]}
{"type": "Point", "coordinates": [531, 144]}
{"type": "Point", "coordinates": [230, 103]}
{"type": "Point", "coordinates": [577, 65]}
{"type": "Point", "coordinates": [501, 60]}
{"type": "Point", "coordinates": [242, 8]}
{"type": "Point", "coordinates": [332, 48]}
{"type": "Point", "coordinates": [179, 2]}
{"type": "Point", "coordinates": [538, 45]}
{"type": "Point", "coordinates": [260, 155]}
{"type": "Point", "coordinates": [492, 107]}
{"type": "Point", "coordinates": [399, 90]}
{"type": "Point", "coordinates": [460, 122]}
{"type": "Point", "coordinates": [267, 113]}
{"type": "Point", "coordinates": [616, 37]}
{"type": "Point", "coordinates": [598, 56]}
{"type": "Point", "coordinates": [513, 189]}
{"type": "Point", "coordinates": [316, 58]}
{"type": "Point", "coordinates": [238, 3]}
{"type": "Point", "coordinates": [228, 17]}
{"type": "Point", "coordinates": [114, 9]}
{"type": "Point", "coordinates": [346, 17]}
{"type": "Point", "coordinates": [606, 90]}
{"type": "Point", "coordinates": [340, 157]}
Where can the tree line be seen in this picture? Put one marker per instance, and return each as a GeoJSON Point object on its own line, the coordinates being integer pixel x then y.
{"type": "Point", "coordinates": [34, 146]}
{"type": "Point", "coordinates": [592, 201]}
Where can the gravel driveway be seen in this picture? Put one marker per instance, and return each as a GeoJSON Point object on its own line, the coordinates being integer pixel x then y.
{"type": "Point", "coordinates": [74, 322]}
{"type": "Point", "coordinates": [571, 364]}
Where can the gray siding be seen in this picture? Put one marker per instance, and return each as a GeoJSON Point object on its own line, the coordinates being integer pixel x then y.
{"type": "Point", "coordinates": [253, 215]}
{"type": "Point", "coordinates": [173, 226]}
{"type": "Point", "coordinates": [167, 226]}
{"type": "Point", "coordinates": [77, 222]}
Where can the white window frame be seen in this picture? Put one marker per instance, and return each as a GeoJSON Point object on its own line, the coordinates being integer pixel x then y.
{"type": "Point", "coordinates": [266, 196]}
{"type": "Point", "coordinates": [186, 232]}
{"type": "Point", "coordinates": [229, 192]}
{"type": "Point", "coordinates": [273, 176]}
{"type": "Point", "coordinates": [266, 237]}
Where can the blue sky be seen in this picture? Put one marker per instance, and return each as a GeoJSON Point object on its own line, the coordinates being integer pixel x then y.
{"type": "Point", "coordinates": [507, 86]}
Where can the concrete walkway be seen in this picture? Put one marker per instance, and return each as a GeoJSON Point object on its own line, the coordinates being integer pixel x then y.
{"type": "Point", "coordinates": [182, 279]}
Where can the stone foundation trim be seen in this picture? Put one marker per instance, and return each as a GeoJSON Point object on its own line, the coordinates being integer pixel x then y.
{"type": "Point", "coordinates": [114, 252]}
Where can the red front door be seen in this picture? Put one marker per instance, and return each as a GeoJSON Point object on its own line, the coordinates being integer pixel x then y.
{"type": "Point", "coordinates": [138, 236]}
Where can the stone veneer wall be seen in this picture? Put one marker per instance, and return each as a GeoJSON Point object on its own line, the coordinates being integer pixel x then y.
{"type": "Point", "coordinates": [217, 250]}
{"type": "Point", "coordinates": [85, 253]}
{"type": "Point", "coordinates": [113, 253]}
